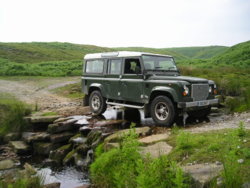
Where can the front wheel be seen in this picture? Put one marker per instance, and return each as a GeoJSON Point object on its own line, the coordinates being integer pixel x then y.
{"type": "Point", "coordinates": [162, 111]}
{"type": "Point", "coordinates": [97, 103]}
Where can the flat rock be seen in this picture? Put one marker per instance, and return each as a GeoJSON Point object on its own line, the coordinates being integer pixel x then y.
{"type": "Point", "coordinates": [107, 123]}
{"type": "Point", "coordinates": [44, 148]}
{"type": "Point", "coordinates": [110, 145]}
{"type": "Point", "coordinates": [61, 126]}
{"type": "Point", "coordinates": [156, 150]}
{"type": "Point", "coordinates": [203, 173]}
{"type": "Point", "coordinates": [11, 137]}
{"type": "Point", "coordinates": [141, 131]}
{"type": "Point", "coordinates": [61, 137]}
{"type": "Point", "coordinates": [6, 164]}
{"type": "Point", "coordinates": [154, 138]}
{"type": "Point", "coordinates": [85, 130]}
{"type": "Point", "coordinates": [44, 119]}
{"type": "Point", "coordinates": [30, 137]}
{"type": "Point", "coordinates": [20, 147]}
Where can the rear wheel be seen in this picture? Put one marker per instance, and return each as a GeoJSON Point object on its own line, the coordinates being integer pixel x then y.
{"type": "Point", "coordinates": [162, 111]}
{"type": "Point", "coordinates": [97, 103]}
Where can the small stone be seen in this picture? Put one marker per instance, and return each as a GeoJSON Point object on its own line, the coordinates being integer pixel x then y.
{"type": "Point", "coordinates": [218, 163]}
{"type": "Point", "coordinates": [189, 164]}
{"type": "Point", "coordinates": [53, 185]}
{"type": "Point", "coordinates": [248, 120]}
{"type": "Point", "coordinates": [219, 181]}
{"type": "Point", "coordinates": [240, 161]}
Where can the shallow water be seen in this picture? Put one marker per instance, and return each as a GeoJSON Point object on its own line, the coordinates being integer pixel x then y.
{"type": "Point", "coordinates": [67, 176]}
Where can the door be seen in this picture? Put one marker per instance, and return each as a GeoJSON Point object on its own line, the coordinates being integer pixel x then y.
{"type": "Point", "coordinates": [132, 80]}
{"type": "Point", "coordinates": [113, 78]}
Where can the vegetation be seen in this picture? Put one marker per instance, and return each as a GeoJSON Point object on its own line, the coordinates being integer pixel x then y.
{"type": "Point", "coordinates": [228, 67]}
{"type": "Point", "coordinates": [27, 182]}
{"type": "Point", "coordinates": [72, 91]}
{"type": "Point", "coordinates": [12, 112]}
{"type": "Point", "coordinates": [125, 167]}
{"type": "Point", "coordinates": [227, 146]}
{"type": "Point", "coordinates": [205, 52]}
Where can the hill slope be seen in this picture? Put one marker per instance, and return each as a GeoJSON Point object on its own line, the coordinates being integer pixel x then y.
{"type": "Point", "coordinates": [238, 55]}
{"type": "Point", "coordinates": [163, 51]}
{"type": "Point", "coordinates": [40, 51]}
{"type": "Point", "coordinates": [199, 52]}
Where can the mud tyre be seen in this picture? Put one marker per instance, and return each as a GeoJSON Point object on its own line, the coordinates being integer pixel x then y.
{"type": "Point", "coordinates": [162, 111]}
{"type": "Point", "coordinates": [97, 103]}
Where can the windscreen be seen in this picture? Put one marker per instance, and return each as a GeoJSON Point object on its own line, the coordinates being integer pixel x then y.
{"type": "Point", "coordinates": [159, 63]}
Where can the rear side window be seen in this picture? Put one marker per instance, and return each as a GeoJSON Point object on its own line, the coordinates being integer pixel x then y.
{"type": "Point", "coordinates": [115, 66]}
{"type": "Point", "coordinates": [94, 66]}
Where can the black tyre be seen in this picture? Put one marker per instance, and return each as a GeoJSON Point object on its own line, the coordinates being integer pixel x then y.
{"type": "Point", "coordinates": [97, 103]}
{"type": "Point", "coordinates": [202, 113]}
{"type": "Point", "coordinates": [162, 111]}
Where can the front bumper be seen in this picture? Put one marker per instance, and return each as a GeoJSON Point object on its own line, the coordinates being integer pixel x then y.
{"type": "Point", "coordinates": [210, 102]}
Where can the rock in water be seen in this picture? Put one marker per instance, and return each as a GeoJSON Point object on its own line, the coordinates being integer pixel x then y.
{"type": "Point", "coordinates": [6, 164]}
{"type": "Point", "coordinates": [44, 148]}
{"type": "Point", "coordinates": [61, 137]}
{"type": "Point", "coordinates": [20, 147]}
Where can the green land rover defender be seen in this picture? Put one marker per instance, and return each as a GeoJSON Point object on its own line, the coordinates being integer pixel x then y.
{"type": "Point", "coordinates": [147, 81]}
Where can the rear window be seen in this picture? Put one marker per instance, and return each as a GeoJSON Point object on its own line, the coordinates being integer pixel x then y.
{"type": "Point", "coordinates": [94, 66]}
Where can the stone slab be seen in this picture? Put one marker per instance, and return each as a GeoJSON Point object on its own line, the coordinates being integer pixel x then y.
{"type": "Point", "coordinates": [154, 138]}
{"type": "Point", "coordinates": [156, 150]}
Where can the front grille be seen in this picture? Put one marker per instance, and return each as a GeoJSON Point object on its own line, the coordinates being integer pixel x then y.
{"type": "Point", "coordinates": [199, 92]}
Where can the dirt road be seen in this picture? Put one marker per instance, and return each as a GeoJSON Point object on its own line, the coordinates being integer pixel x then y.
{"type": "Point", "coordinates": [38, 91]}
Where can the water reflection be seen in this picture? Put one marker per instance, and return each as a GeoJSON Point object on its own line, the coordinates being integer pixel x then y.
{"type": "Point", "coordinates": [67, 176]}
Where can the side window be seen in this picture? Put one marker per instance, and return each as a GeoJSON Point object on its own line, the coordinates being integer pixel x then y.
{"type": "Point", "coordinates": [94, 66]}
{"type": "Point", "coordinates": [131, 65]}
{"type": "Point", "coordinates": [115, 66]}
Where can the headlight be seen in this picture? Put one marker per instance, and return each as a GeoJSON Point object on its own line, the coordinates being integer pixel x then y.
{"type": "Point", "coordinates": [210, 89]}
{"type": "Point", "coordinates": [186, 90]}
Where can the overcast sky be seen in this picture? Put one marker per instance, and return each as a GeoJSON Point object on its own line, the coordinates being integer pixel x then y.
{"type": "Point", "coordinates": [113, 23]}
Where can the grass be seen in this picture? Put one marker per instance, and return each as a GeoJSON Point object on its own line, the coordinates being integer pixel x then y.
{"type": "Point", "coordinates": [226, 146]}
{"type": "Point", "coordinates": [72, 91]}
{"type": "Point", "coordinates": [12, 112]}
{"type": "Point", "coordinates": [229, 67]}
{"type": "Point", "coordinates": [125, 167]}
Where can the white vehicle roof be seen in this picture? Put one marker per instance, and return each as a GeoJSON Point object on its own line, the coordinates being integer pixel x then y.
{"type": "Point", "coordinates": [119, 54]}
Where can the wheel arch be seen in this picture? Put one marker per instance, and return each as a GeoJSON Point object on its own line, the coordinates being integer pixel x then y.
{"type": "Point", "coordinates": [166, 91]}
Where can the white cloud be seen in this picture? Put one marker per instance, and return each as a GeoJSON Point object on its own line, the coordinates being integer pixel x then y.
{"type": "Point", "coordinates": [158, 23]}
